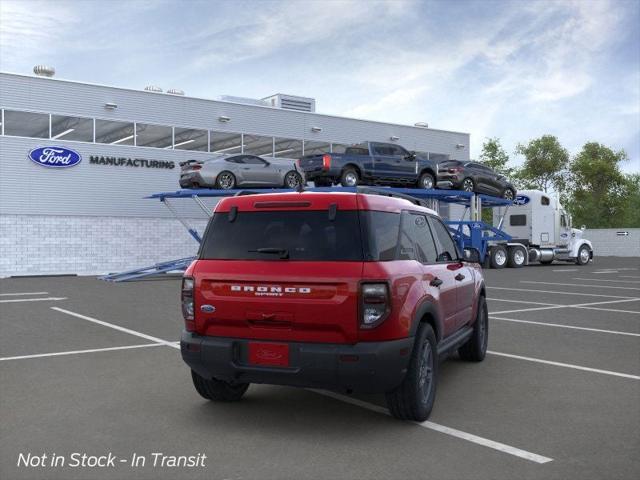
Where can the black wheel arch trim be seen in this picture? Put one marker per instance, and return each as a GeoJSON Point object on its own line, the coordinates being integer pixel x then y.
{"type": "Point", "coordinates": [427, 308]}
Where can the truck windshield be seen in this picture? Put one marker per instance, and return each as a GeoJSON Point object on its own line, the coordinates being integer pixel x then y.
{"type": "Point", "coordinates": [284, 235]}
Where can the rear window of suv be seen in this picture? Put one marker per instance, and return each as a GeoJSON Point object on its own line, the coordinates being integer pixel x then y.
{"type": "Point", "coordinates": [304, 235]}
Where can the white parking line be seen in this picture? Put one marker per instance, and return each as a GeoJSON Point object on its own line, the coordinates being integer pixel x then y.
{"type": "Point", "coordinates": [469, 437]}
{"type": "Point", "coordinates": [47, 299]}
{"type": "Point", "coordinates": [603, 280]}
{"type": "Point", "coordinates": [629, 276]}
{"type": "Point", "coordinates": [521, 301]}
{"type": "Point", "coordinates": [75, 352]}
{"type": "Point", "coordinates": [609, 310]}
{"type": "Point", "coordinates": [22, 293]}
{"type": "Point", "coordinates": [560, 293]}
{"type": "Point", "coordinates": [577, 305]}
{"type": "Point", "coordinates": [566, 270]}
{"type": "Point", "coordinates": [565, 365]}
{"type": "Point", "coordinates": [573, 327]}
{"type": "Point", "coordinates": [118, 327]}
{"type": "Point", "coordinates": [580, 285]}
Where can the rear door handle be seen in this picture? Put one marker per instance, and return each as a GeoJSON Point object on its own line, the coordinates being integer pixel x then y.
{"type": "Point", "coordinates": [459, 277]}
{"type": "Point", "coordinates": [436, 282]}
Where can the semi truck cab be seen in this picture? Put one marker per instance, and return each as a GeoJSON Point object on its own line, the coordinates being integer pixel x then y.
{"type": "Point", "coordinates": [538, 223]}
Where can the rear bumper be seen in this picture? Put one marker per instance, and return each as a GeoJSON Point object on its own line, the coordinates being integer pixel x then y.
{"type": "Point", "coordinates": [190, 179]}
{"type": "Point", "coordinates": [367, 367]}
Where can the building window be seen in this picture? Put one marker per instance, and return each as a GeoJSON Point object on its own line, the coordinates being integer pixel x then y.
{"type": "Point", "coordinates": [338, 148]}
{"type": "Point", "coordinates": [287, 148]}
{"type": "Point", "coordinates": [225, 143]}
{"type": "Point", "coordinates": [26, 124]}
{"type": "Point", "coordinates": [191, 139]}
{"type": "Point", "coordinates": [316, 148]}
{"type": "Point", "coordinates": [258, 145]}
{"type": "Point", "coordinates": [113, 132]}
{"type": "Point", "coordinates": [157, 136]}
{"type": "Point", "coordinates": [71, 128]}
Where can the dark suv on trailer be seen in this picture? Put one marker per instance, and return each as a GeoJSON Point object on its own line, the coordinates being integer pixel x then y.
{"type": "Point", "coordinates": [474, 177]}
{"type": "Point", "coordinates": [355, 292]}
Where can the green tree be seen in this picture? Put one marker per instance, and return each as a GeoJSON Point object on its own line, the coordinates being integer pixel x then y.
{"type": "Point", "coordinates": [545, 164]}
{"type": "Point", "coordinates": [495, 157]}
{"type": "Point", "coordinates": [630, 216]}
{"type": "Point", "coordinates": [599, 193]}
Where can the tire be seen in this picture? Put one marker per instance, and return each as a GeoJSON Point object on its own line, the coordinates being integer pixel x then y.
{"type": "Point", "coordinates": [476, 347]}
{"type": "Point", "coordinates": [349, 177]}
{"type": "Point", "coordinates": [225, 180]}
{"type": "Point", "coordinates": [584, 255]}
{"type": "Point", "coordinates": [468, 185]}
{"type": "Point", "coordinates": [508, 194]}
{"type": "Point", "coordinates": [426, 181]}
{"type": "Point", "coordinates": [498, 257]}
{"type": "Point", "coordinates": [413, 399]}
{"type": "Point", "coordinates": [292, 180]}
{"type": "Point", "coordinates": [218, 390]}
{"type": "Point", "coordinates": [517, 257]}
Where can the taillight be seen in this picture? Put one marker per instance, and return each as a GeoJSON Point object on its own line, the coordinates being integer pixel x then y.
{"type": "Point", "coordinates": [455, 170]}
{"type": "Point", "coordinates": [326, 161]}
{"type": "Point", "coordinates": [374, 304]}
{"type": "Point", "coordinates": [187, 304]}
{"type": "Point", "coordinates": [298, 163]}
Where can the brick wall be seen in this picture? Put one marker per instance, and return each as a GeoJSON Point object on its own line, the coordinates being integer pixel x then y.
{"type": "Point", "coordinates": [84, 245]}
{"type": "Point", "coordinates": [607, 242]}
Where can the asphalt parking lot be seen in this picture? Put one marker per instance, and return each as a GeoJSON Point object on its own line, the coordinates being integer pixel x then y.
{"type": "Point", "coordinates": [93, 367]}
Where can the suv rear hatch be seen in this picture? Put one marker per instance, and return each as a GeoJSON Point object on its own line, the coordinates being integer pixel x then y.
{"type": "Point", "coordinates": [287, 269]}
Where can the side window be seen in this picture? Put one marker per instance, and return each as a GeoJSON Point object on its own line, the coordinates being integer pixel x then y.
{"type": "Point", "coordinates": [238, 159]}
{"type": "Point", "coordinates": [398, 151]}
{"type": "Point", "coordinates": [426, 251]}
{"type": "Point", "coordinates": [251, 160]}
{"type": "Point", "coordinates": [563, 220]}
{"type": "Point", "coordinates": [380, 149]}
{"type": "Point", "coordinates": [447, 251]}
{"type": "Point", "coordinates": [517, 220]}
{"type": "Point", "coordinates": [381, 234]}
{"type": "Point", "coordinates": [544, 200]}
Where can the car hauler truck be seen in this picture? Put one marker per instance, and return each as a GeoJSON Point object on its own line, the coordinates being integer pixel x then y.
{"type": "Point", "coordinates": [540, 231]}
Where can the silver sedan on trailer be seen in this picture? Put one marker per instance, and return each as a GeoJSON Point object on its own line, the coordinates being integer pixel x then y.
{"type": "Point", "coordinates": [241, 170]}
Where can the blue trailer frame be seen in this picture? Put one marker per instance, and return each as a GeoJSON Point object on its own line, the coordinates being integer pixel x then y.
{"type": "Point", "coordinates": [467, 233]}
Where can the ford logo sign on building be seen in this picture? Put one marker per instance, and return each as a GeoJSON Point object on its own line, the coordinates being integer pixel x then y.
{"type": "Point", "coordinates": [55, 157]}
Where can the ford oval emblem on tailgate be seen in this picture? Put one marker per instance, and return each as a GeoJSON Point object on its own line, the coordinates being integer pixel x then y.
{"type": "Point", "coordinates": [55, 157]}
{"type": "Point", "coordinates": [208, 308]}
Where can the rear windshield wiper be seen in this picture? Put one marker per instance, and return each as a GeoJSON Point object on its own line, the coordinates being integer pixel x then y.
{"type": "Point", "coordinates": [283, 252]}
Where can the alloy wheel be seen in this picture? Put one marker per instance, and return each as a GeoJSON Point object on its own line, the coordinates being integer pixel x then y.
{"type": "Point", "coordinates": [226, 181]}
{"type": "Point", "coordinates": [292, 180]}
{"type": "Point", "coordinates": [425, 375]}
{"type": "Point", "coordinates": [351, 179]}
{"type": "Point", "coordinates": [467, 185]}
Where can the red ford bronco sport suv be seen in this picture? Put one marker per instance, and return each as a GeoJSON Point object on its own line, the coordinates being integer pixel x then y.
{"type": "Point", "coordinates": [352, 292]}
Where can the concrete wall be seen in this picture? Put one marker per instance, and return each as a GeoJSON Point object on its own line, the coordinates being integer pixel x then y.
{"type": "Point", "coordinates": [608, 242]}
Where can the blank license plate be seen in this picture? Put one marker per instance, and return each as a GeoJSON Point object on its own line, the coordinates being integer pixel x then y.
{"type": "Point", "coordinates": [269, 354]}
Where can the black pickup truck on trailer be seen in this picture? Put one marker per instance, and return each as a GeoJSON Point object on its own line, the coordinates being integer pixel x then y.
{"type": "Point", "coordinates": [371, 163]}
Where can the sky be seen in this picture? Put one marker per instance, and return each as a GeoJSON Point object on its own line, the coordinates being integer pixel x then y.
{"type": "Point", "coordinates": [513, 69]}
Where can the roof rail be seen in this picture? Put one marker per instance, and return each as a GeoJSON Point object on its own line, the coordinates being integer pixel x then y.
{"type": "Point", "coordinates": [388, 193]}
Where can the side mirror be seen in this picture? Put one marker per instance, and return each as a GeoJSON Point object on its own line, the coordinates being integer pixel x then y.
{"type": "Point", "coordinates": [411, 156]}
{"type": "Point", "coordinates": [583, 227]}
{"type": "Point", "coordinates": [471, 254]}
